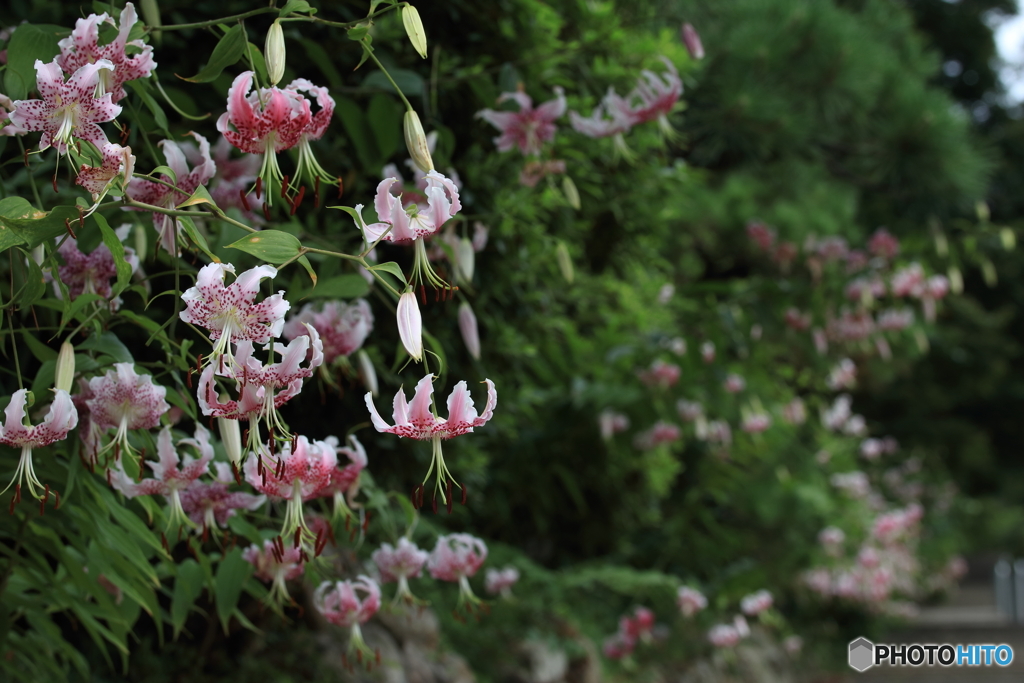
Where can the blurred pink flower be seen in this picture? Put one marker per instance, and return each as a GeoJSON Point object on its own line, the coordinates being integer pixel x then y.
{"type": "Point", "coordinates": [660, 374]}
{"type": "Point", "coordinates": [500, 581]}
{"type": "Point", "coordinates": [529, 128]}
{"type": "Point", "coordinates": [343, 327]}
{"type": "Point", "coordinates": [883, 244]}
{"type": "Point", "coordinates": [690, 601]}
{"type": "Point", "coordinates": [457, 558]}
{"type": "Point", "coordinates": [755, 603]}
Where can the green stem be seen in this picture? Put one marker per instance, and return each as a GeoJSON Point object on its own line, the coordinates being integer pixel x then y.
{"type": "Point", "coordinates": [213, 22]}
{"type": "Point", "coordinates": [380, 66]}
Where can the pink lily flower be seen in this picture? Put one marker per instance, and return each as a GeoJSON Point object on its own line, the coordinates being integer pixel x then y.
{"type": "Point", "coordinates": [500, 581]}
{"type": "Point", "coordinates": [723, 635]}
{"type": "Point", "coordinates": [67, 110]}
{"type": "Point", "coordinates": [456, 558]}
{"type": "Point", "coordinates": [345, 480]}
{"type": "Point", "coordinates": [186, 182]}
{"type": "Point", "coordinates": [118, 161]}
{"type": "Point", "coordinates": [416, 421]}
{"type": "Point", "coordinates": [399, 563]}
{"type": "Point", "coordinates": [690, 601]}
{"type": "Point", "coordinates": [60, 419]}
{"type": "Point", "coordinates": [82, 47]}
{"type": "Point", "coordinates": [529, 128]}
{"type": "Point", "coordinates": [611, 118]}
{"type": "Point", "coordinates": [261, 389]}
{"type": "Point", "coordinates": [660, 433]}
{"type": "Point", "coordinates": [171, 473]}
{"type": "Point", "coordinates": [230, 312]}
{"type": "Point", "coordinates": [275, 564]}
{"type": "Point", "coordinates": [124, 400]}
{"type": "Point", "coordinates": [618, 646]}
{"type": "Point", "coordinates": [297, 473]}
{"type": "Point", "coordinates": [755, 603]}
{"type": "Point", "coordinates": [403, 225]}
{"type": "Point", "coordinates": [655, 96]}
{"type": "Point", "coordinates": [691, 39]}
{"type": "Point", "coordinates": [211, 504]}
{"type": "Point", "coordinates": [91, 273]}
{"type": "Point", "coordinates": [343, 327]}
{"type": "Point", "coordinates": [6, 107]}
{"type": "Point", "coordinates": [611, 423]}
{"type": "Point", "coordinates": [308, 167]}
{"type": "Point", "coordinates": [266, 121]}
{"type": "Point", "coordinates": [340, 604]}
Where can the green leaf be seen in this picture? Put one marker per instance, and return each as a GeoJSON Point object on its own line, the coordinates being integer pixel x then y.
{"type": "Point", "coordinates": [188, 585]}
{"type": "Point", "coordinates": [273, 246]}
{"type": "Point", "coordinates": [167, 171]}
{"type": "Point", "coordinates": [231, 574]}
{"type": "Point", "coordinates": [200, 196]}
{"type": "Point", "coordinates": [113, 242]}
{"type": "Point", "coordinates": [390, 267]}
{"type": "Point", "coordinates": [109, 344]}
{"type": "Point", "coordinates": [340, 287]}
{"type": "Point", "coordinates": [229, 50]}
{"type": "Point", "coordinates": [197, 237]}
{"type": "Point", "coordinates": [41, 351]}
{"type": "Point", "coordinates": [141, 88]}
{"type": "Point", "coordinates": [295, 7]}
{"type": "Point", "coordinates": [40, 228]}
{"type": "Point", "coordinates": [309, 268]}
{"type": "Point", "coordinates": [385, 117]}
{"type": "Point", "coordinates": [29, 43]}
{"type": "Point", "coordinates": [35, 284]}
{"type": "Point", "coordinates": [354, 121]}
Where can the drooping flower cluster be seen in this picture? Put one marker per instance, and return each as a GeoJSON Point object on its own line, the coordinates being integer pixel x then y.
{"type": "Point", "coordinates": [275, 564]}
{"type": "Point", "coordinates": [529, 128]}
{"type": "Point", "coordinates": [125, 401]}
{"type": "Point", "coordinates": [399, 563]}
{"type": "Point", "coordinates": [340, 603]}
{"type": "Point", "coordinates": [457, 558]}
{"type": "Point", "coordinates": [91, 273]}
{"type": "Point", "coordinates": [60, 419]}
{"type": "Point", "coordinates": [500, 581]}
{"type": "Point", "coordinates": [690, 601]}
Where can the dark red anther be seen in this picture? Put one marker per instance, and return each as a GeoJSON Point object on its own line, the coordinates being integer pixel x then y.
{"type": "Point", "coordinates": [266, 211]}
{"type": "Point", "coordinates": [279, 470]}
{"type": "Point", "coordinates": [245, 436]}
{"type": "Point", "coordinates": [284, 187]}
{"type": "Point", "coordinates": [67, 226]}
{"type": "Point", "coordinates": [330, 535]}
{"type": "Point", "coordinates": [10, 510]}
{"type": "Point", "coordinates": [341, 185]}
{"type": "Point", "coordinates": [188, 378]}
{"type": "Point", "coordinates": [298, 537]}
{"type": "Point", "coordinates": [316, 192]}
{"type": "Point", "coordinates": [56, 502]}
{"type": "Point", "coordinates": [437, 295]}
{"type": "Point", "coordinates": [359, 656]}
{"type": "Point", "coordinates": [26, 164]}
{"type": "Point", "coordinates": [238, 475]}
{"type": "Point", "coordinates": [298, 199]}
{"type": "Point", "coordinates": [163, 542]}
{"type": "Point", "coordinates": [264, 478]}
{"type": "Point", "coordinates": [295, 441]}
{"type": "Point", "coordinates": [189, 544]}
{"type": "Point", "coordinates": [259, 465]}
{"type": "Point", "coordinates": [259, 188]}
{"type": "Point", "coordinates": [366, 520]}
{"type": "Point", "coordinates": [352, 536]}
{"type": "Point", "coordinates": [199, 363]}
{"type": "Point", "coordinates": [109, 483]}
{"type": "Point", "coordinates": [125, 132]}
{"type": "Point", "coordinates": [17, 493]}
{"type": "Point", "coordinates": [206, 533]}
{"type": "Point", "coordinates": [423, 295]}
{"type": "Point", "coordinates": [348, 522]}
{"type": "Point", "coordinates": [55, 182]}
{"type": "Point", "coordinates": [245, 199]}
{"type": "Point", "coordinates": [117, 453]}
{"type": "Point", "coordinates": [220, 361]}
{"type": "Point", "coordinates": [303, 556]}
{"type": "Point", "coordinates": [211, 423]}
{"type": "Point", "coordinates": [377, 655]}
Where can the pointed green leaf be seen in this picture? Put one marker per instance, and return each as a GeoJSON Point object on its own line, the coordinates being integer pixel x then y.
{"type": "Point", "coordinates": [229, 50]}
{"type": "Point", "coordinates": [231, 574]}
{"type": "Point", "coordinates": [113, 242]}
{"type": "Point", "coordinates": [273, 246]}
{"type": "Point", "coordinates": [188, 585]}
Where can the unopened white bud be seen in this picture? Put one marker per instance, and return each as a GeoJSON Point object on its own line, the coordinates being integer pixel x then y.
{"type": "Point", "coordinates": [410, 325]}
{"type": "Point", "coordinates": [274, 53]}
{"type": "Point", "coordinates": [572, 195]}
{"type": "Point", "coordinates": [367, 373]}
{"type": "Point", "coordinates": [64, 376]}
{"type": "Point", "coordinates": [416, 141]}
{"type": "Point", "coordinates": [414, 29]}
{"type": "Point", "coordinates": [1009, 238]}
{"type": "Point", "coordinates": [565, 262]}
{"type": "Point", "coordinates": [465, 258]}
{"type": "Point", "coordinates": [231, 436]}
{"type": "Point", "coordinates": [470, 331]}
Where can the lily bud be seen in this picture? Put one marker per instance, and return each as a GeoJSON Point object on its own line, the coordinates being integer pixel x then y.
{"type": "Point", "coordinates": [941, 244]}
{"type": "Point", "coordinates": [367, 373]}
{"type": "Point", "coordinates": [414, 29]}
{"type": "Point", "coordinates": [64, 376]}
{"type": "Point", "coordinates": [151, 15]}
{"type": "Point", "coordinates": [39, 254]}
{"type": "Point", "coordinates": [565, 262]}
{"type": "Point", "coordinates": [465, 258]}
{"type": "Point", "coordinates": [572, 195]}
{"type": "Point", "coordinates": [1009, 238]}
{"type": "Point", "coordinates": [231, 436]}
{"type": "Point", "coordinates": [956, 280]}
{"type": "Point", "coordinates": [691, 39]}
{"type": "Point", "coordinates": [416, 141]}
{"type": "Point", "coordinates": [410, 325]}
{"type": "Point", "coordinates": [469, 330]}
{"type": "Point", "coordinates": [981, 208]}
{"type": "Point", "coordinates": [988, 271]}
{"type": "Point", "coordinates": [274, 52]}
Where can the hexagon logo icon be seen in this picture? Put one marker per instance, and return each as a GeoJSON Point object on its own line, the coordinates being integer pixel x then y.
{"type": "Point", "coordinates": [862, 654]}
